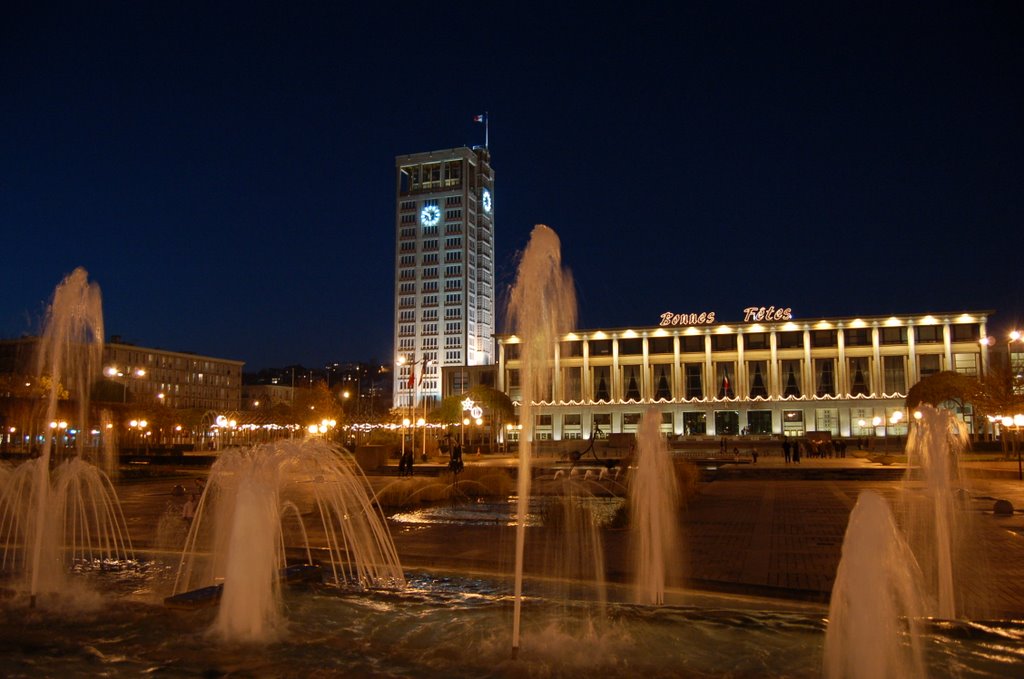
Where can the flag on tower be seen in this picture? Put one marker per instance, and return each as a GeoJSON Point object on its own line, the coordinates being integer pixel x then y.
{"type": "Point", "coordinates": [479, 118]}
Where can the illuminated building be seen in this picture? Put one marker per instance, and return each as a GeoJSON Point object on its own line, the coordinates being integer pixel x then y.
{"type": "Point", "coordinates": [769, 373]}
{"type": "Point", "coordinates": [444, 268]}
{"type": "Point", "coordinates": [150, 376]}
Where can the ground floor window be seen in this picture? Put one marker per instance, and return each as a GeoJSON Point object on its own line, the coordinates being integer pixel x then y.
{"type": "Point", "coordinates": [759, 422]}
{"type": "Point", "coordinates": [630, 422]}
{"type": "Point", "coordinates": [571, 427]}
{"type": "Point", "coordinates": [602, 424]}
{"type": "Point", "coordinates": [727, 422]}
{"type": "Point", "coordinates": [827, 419]}
{"type": "Point", "coordinates": [896, 424]}
{"type": "Point", "coordinates": [666, 423]}
{"type": "Point", "coordinates": [861, 422]}
{"type": "Point", "coordinates": [695, 423]}
{"type": "Point", "coordinates": [793, 422]}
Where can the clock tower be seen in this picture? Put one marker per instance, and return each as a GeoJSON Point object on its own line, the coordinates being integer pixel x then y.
{"type": "Point", "coordinates": [444, 268]}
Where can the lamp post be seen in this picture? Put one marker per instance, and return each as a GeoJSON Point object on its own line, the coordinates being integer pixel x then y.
{"type": "Point", "coordinates": [122, 375]}
{"type": "Point", "coordinates": [1013, 388]}
{"type": "Point", "coordinates": [877, 421]}
{"type": "Point", "coordinates": [139, 427]}
{"type": "Point", "coordinates": [1012, 423]}
{"type": "Point", "coordinates": [422, 422]}
{"type": "Point", "coordinates": [896, 418]}
{"type": "Point", "coordinates": [414, 389]}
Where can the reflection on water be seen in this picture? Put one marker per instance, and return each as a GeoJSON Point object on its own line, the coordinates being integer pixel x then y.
{"type": "Point", "coordinates": [489, 513]}
{"type": "Point", "coordinates": [448, 627]}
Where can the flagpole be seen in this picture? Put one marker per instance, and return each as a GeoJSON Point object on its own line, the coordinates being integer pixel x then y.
{"type": "Point", "coordinates": [487, 130]}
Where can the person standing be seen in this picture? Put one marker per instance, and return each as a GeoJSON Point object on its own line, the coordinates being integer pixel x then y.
{"type": "Point", "coordinates": [786, 449]}
{"type": "Point", "coordinates": [188, 510]}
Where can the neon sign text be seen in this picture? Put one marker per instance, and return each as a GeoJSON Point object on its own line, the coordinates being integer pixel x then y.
{"type": "Point", "coordinates": [703, 318]}
{"type": "Point", "coordinates": [753, 313]}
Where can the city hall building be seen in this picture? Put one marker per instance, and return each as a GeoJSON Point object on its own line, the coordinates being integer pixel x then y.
{"type": "Point", "coordinates": [768, 373]}
{"type": "Point", "coordinates": [444, 269]}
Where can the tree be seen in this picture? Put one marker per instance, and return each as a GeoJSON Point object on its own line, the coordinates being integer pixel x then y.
{"type": "Point", "coordinates": [313, 405]}
{"type": "Point", "coordinates": [1000, 392]}
{"type": "Point", "coordinates": [496, 405]}
{"type": "Point", "coordinates": [943, 387]}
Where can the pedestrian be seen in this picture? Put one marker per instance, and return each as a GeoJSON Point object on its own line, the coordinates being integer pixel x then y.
{"type": "Point", "coordinates": [786, 449]}
{"type": "Point", "coordinates": [455, 464]}
{"type": "Point", "coordinates": [753, 455]}
{"type": "Point", "coordinates": [188, 510]}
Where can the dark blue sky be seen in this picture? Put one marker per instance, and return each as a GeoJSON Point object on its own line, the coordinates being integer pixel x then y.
{"type": "Point", "coordinates": [224, 171]}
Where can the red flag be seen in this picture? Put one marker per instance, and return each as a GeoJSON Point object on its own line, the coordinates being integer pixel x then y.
{"type": "Point", "coordinates": [412, 377]}
{"type": "Point", "coordinates": [478, 119]}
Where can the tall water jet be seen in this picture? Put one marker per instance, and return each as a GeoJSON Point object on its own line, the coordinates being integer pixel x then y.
{"type": "Point", "coordinates": [934, 446]}
{"type": "Point", "coordinates": [873, 621]}
{"type": "Point", "coordinates": [653, 510]}
{"type": "Point", "coordinates": [542, 308]}
{"type": "Point", "coordinates": [78, 517]}
{"type": "Point", "coordinates": [257, 502]}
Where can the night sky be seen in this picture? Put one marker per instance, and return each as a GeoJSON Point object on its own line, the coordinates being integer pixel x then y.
{"type": "Point", "coordinates": [225, 171]}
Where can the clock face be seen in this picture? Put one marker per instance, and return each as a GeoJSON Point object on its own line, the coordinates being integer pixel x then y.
{"type": "Point", "coordinates": [488, 203]}
{"type": "Point", "coordinates": [430, 215]}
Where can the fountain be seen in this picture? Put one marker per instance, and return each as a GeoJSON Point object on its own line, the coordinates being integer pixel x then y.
{"type": "Point", "coordinates": [47, 524]}
{"type": "Point", "coordinates": [269, 509]}
{"type": "Point", "coordinates": [874, 616]}
{"type": "Point", "coordinates": [542, 308]}
{"type": "Point", "coordinates": [653, 508]}
{"type": "Point", "coordinates": [937, 530]}
{"type": "Point", "coordinates": [258, 500]}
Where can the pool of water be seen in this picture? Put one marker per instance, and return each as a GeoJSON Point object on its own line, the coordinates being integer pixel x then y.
{"type": "Point", "coordinates": [114, 624]}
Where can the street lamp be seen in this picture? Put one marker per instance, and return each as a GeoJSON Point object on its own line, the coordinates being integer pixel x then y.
{"type": "Point", "coordinates": [122, 375]}
{"type": "Point", "coordinates": [58, 436]}
{"type": "Point", "coordinates": [877, 421]}
{"type": "Point", "coordinates": [1012, 337]}
{"type": "Point", "coordinates": [895, 419]}
{"type": "Point", "coordinates": [1014, 423]}
{"type": "Point", "coordinates": [139, 427]}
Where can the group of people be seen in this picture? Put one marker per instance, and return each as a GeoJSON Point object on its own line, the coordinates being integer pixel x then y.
{"type": "Point", "coordinates": [794, 449]}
